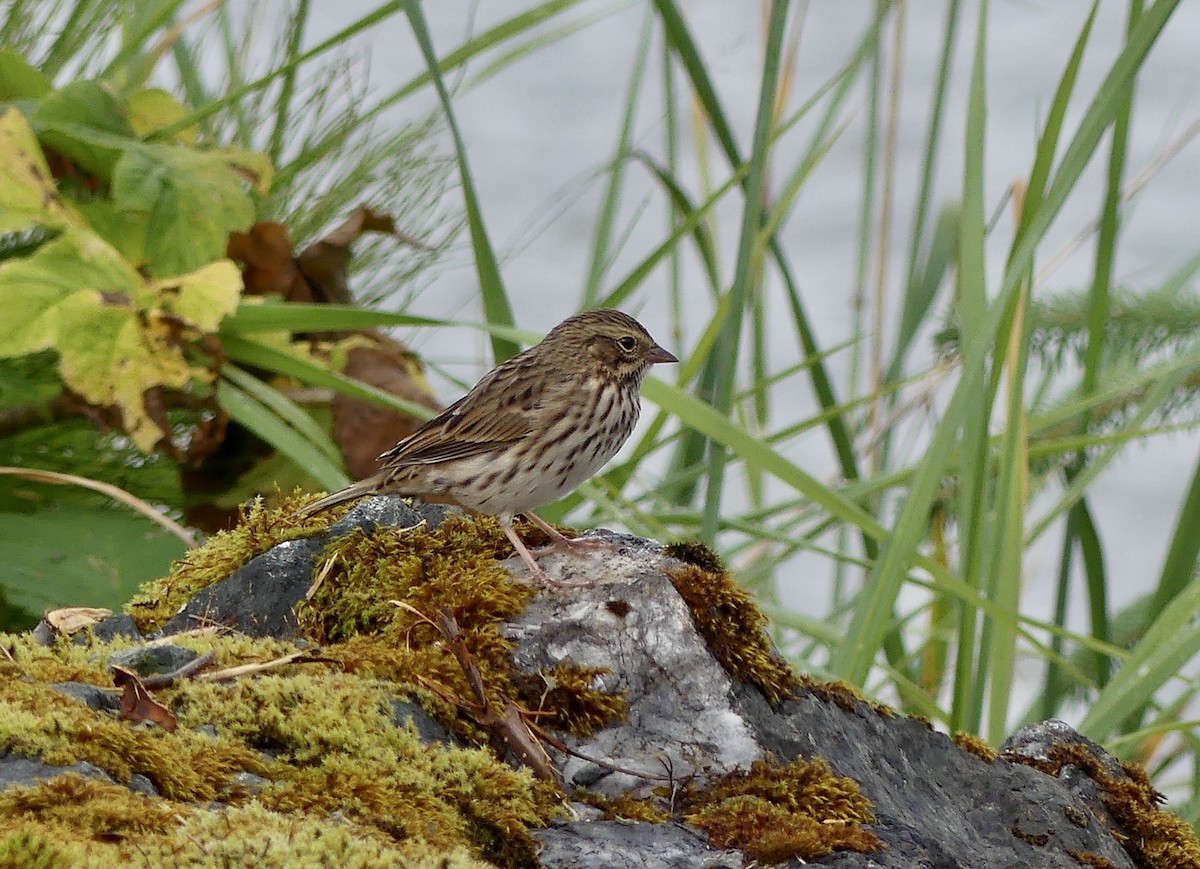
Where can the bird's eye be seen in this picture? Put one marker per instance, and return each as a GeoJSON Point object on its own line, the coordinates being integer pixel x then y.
{"type": "Point", "coordinates": [628, 343]}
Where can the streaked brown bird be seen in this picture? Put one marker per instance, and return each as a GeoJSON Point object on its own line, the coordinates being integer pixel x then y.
{"type": "Point", "coordinates": [531, 430]}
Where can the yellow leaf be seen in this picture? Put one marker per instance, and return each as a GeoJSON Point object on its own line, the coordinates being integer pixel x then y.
{"type": "Point", "coordinates": [203, 298]}
{"type": "Point", "coordinates": [111, 354]}
{"type": "Point", "coordinates": [151, 109]}
{"type": "Point", "coordinates": [27, 193]}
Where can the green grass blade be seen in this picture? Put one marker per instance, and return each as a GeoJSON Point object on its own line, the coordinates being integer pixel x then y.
{"type": "Point", "coordinates": [602, 236]}
{"type": "Point", "coordinates": [259, 418]}
{"type": "Point", "coordinates": [258, 355]}
{"type": "Point", "coordinates": [748, 253]}
{"type": "Point", "coordinates": [496, 307]}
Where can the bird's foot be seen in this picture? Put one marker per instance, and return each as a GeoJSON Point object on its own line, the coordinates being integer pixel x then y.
{"type": "Point", "coordinates": [560, 541]}
{"type": "Point", "coordinates": [538, 575]}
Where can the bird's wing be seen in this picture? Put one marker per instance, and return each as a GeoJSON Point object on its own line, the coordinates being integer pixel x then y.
{"type": "Point", "coordinates": [502, 408]}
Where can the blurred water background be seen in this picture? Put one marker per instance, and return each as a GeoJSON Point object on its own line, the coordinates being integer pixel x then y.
{"type": "Point", "coordinates": [540, 135]}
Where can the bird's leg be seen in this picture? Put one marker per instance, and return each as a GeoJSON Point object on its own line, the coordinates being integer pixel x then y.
{"type": "Point", "coordinates": [558, 540]}
{"type": "Point", "coordinates": [539, 575]}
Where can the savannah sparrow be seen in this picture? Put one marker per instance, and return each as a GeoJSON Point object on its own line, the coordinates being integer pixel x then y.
{"type": "Point", "coordinates": [531, 430]}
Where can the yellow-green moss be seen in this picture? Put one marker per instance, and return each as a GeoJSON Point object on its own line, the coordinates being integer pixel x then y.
{"type": "Point", "coordinates": [734, 629]}
{"type": "Point", "coordinates": [1151, 836]}
{"type": "Point", "coordinates": [974, 744]}
{"type": "Point", "coordinates": [340, 752]}
{"type": "Point", "coordinates": [773, 813]}
{"type": "Point", "coordinates": [74, 823]}
{"type": "Point", "coordinates": [335, 752]}
{"type": "Point", "coordinates": [259, 528]}
{"type": "Point", "coordinates": [1087, 858]}
{"type": "Point", "coordinates": [695, 553]}
{"type": "Point", "coordinates": [35, 720]}
{"type": "Point", "coordinates": [843, 695]}
{"type": "Point", "coordinates": [626, 807]}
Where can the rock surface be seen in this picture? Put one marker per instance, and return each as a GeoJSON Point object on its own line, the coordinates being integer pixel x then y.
{"type": "Point", "coordinates": [689, 721]}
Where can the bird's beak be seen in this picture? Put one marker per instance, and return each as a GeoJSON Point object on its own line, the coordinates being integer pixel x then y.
{"type": "Point", "coordinates": [658, 354]}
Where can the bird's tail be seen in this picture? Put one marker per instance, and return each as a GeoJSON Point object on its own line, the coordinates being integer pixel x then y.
{"type": "Point", "coordinates": [356, 490]}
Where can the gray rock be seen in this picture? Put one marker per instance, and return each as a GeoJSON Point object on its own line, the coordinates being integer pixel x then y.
{"type": "Point", "coordinates": [91, 696]}
{"type": "Point", "coordinates": [406, 712]}
{"type": "Point", "coordinates": [150, 660]}
{"type": "Point", "coordinates": [682, 716]}
{"type": "Point", "coordinates": [258, 598]}
{"type": "Point", "coordinates": [119, 625]}
{"type": "Point", "coordinates": [618, 845]}
{"type": "Point", "coordinates": [19, 771]}
{"type": "Point", "coordinates": [140, 784]}
{"type": "Point", "coordinates": [250, 782]}
{"type": "Point", "coordinates": [936, 804]}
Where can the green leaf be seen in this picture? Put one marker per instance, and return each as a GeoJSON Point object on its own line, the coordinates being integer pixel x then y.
{"type": "Point", "coordinates": [276, 430]}
{"type": "Point", "coordinates": [37, 288]}
{"type": "Point", "coordinates": [78, 556]}
{"type": "Point", "coordinates": [152, 108]}
{"type": "Point", "coordinates": [193, 200]}
{"type": "Point", "coordinates": [19, 80]}
{"type": "Point", "coordinates": [89, 106]}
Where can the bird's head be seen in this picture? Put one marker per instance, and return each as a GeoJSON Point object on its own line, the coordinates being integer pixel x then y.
{"type": "Point", "coordinates": [615, 343]}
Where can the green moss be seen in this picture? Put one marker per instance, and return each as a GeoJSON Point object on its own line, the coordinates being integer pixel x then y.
{"type": "Point", "coordinates": [774, 813]}
{"type": "Point", "coordinates": [975, 745]}
{"type": "Point", "coordinates": [1151, 836]}
{"type": "Point", "coordinates": [35, 720]}
{"type": "Point", "coordinates": [843, 695]}
{"type": "Point", "coordinates": [74, 823]}
{"type": "Point", "coordinates": [697, 554]}
{"type": "Point", "coordinates": [734, 629]}
{"type": "Point", "coordinates": [33, 849]}
{"type": "Point", "coordinates": [340, 752]}
{"type": "Point", "coordinates": [567, 696]}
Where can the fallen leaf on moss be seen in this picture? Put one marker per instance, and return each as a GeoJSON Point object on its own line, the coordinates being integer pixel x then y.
{"type": "Point", "coordinates": [137, 704]}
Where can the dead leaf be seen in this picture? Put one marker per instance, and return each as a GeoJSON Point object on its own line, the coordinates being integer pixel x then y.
{"type": "Point", "coordinates": [137, 704]}
{"type": "Point", "coordinates": [72, 619]}
{"type": "Point", "coordinates": [269, 267]}
{"type": "Point", "coordinates": [361, 430]}
{"type": "Point", "coordinates": [324, 262]}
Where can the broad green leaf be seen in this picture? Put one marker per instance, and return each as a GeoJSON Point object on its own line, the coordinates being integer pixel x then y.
{"type": "Point", "coordinates": [124, 230]}
{"type": "Point", "coordinates": [37, 288]}
{"type": "Point", "coordinates": [27, 193]}
{"type": "Point", "coordinates": [111, 354]}
{"type": "Point", "coordinates": [90, 106]}
{"type": "Point", "coordinates": [152, 108]}
{"type": "Point", "coordinates": [19, 80]}
{"type": "Point", "coordinates": [100, 561]}
{"type": "Point", "coordinates": [116, 336]}
{"type": "Point", "coordinates": [193, 201]}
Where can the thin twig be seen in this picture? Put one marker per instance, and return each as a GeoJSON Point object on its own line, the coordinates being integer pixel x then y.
{"type": "Point", "coordinates": [129, 500]}
{"type": "Point", "coordinates": [307, 656]}
{"type": "Point", "coordinates": [162, 680]}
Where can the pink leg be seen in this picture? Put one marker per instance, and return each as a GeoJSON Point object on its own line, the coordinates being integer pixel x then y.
{"type": "Point", "coordinates": [539, 575]}
{"type": "Point", "coordinates": [560, 541]}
